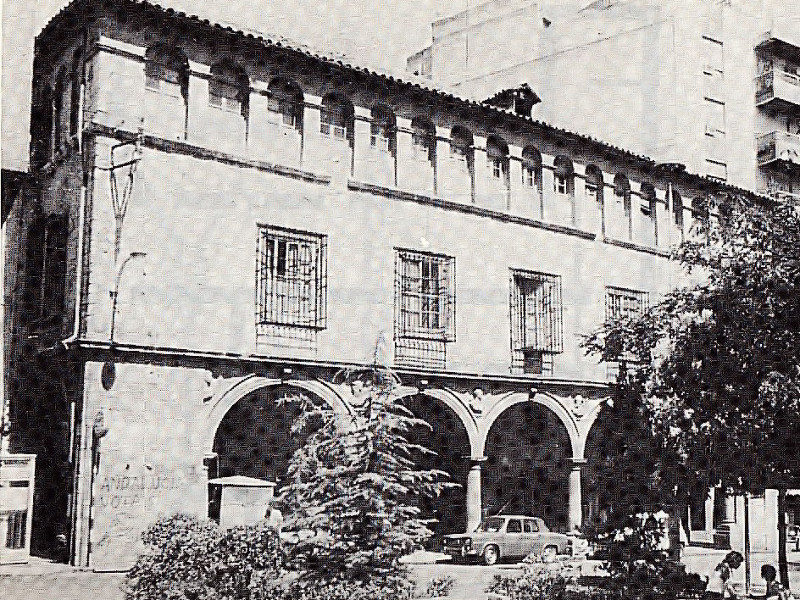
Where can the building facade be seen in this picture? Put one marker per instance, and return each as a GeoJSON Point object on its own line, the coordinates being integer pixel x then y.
{"type": "Point", "coordinates": [220, 221]}
{"type": "Point", "coordinates": [712, 84]}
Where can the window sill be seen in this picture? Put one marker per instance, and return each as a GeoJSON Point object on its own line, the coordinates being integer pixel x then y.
{"type": "Point", "coordinates": [398, 194]}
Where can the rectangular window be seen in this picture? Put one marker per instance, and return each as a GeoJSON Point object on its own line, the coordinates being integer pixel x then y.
{"type": "Point", "coordinates": [497, 167]}
{"type": "Point", "coordinates": [713, 55]}
{"type": "Point", "coordinates": [291, 281]}
{"type": "Point", "coordinates": [46, 268]}
{"type": "Point", "coordinates": [560, 184]}
{"type": "Point", "coordinates": [536, 321]}
{"type": "Point", "coordinates": [528, 177]}
{"type": "Point", "coordinates": [163, 79]}
{"type": "Point", "coordinates": [591, 194]}
{"type": "Point", "coordinates": [622, 303]}
{"type": "Point", "coordinates": [334, 122]}
{"type": "Point", "coordinates": [424, 307]}
{"type": "Point", "coordinates": [716, 169]}
{"type": "Point", "coordinates": [281, 112]}
{"type": "Point", "coordinates": [226, 96]}
{"type": "Point", "coordinates": [381, 141]}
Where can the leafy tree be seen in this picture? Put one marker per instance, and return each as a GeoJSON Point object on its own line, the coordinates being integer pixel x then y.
{"type": "Point", "coordinates": [719, 361]}
{"type": "Point", "coordinates": [353, 491]}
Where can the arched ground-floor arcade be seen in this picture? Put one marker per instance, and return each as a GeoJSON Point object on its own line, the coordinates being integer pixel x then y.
{"type": "Point", "coordinates": [152, 438]}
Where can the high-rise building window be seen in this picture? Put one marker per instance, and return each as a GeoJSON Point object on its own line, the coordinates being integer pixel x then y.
{"type": "Point", "coordinates": [536, 321]}
{"type": "Point", "coordinates": [424, 307]}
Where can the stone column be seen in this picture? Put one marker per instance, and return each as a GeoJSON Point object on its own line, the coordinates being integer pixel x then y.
{"type": "Point", "coordinates": [474, 501]}
{"type": "Point", "coordinates": [575, 512]}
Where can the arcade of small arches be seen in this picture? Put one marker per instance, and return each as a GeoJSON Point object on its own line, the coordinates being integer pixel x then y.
{"type": "Point", "coordinates": [522, 452]}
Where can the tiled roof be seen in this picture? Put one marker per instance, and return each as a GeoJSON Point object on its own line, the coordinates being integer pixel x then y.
{"type": "Point", "coordinates": [441, 94]}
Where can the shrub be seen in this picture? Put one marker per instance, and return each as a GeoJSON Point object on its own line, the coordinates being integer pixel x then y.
{"type": "Point", "coordinates": [194, 559]}
{"type": "Point", "coordinates": [314, 587]}
{"type": "Point", "coordinates": [439, 587]}
{"type": "Point", "coordinates": [537, 582]}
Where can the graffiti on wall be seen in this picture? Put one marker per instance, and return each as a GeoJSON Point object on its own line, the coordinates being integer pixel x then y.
{"type": "Point", "coordinates": [127, 500]}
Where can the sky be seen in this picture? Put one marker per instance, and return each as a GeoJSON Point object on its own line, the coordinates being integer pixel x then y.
{"type": "Point", "coordinates": [376, 33]}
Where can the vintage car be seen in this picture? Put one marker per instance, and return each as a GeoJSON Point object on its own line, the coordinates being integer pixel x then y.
{"type": "Point", "coordinates": [506, 537]}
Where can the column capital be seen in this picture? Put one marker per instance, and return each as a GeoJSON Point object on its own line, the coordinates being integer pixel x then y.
{"type": "Point", "coordinates": [476, 459]}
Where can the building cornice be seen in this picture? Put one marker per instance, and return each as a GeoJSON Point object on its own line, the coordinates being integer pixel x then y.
{"type": "Point", "coordinates": [104, 351]}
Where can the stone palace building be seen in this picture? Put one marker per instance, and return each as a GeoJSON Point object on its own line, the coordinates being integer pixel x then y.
{"type": "Point", "coordinates": [216, 220]}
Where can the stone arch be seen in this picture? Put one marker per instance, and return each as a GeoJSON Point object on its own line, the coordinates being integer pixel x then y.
{"type": "Point", "coordinates": [253, 433]}
{"type": "Point", "coordinates": [530, 450]}
{"type": "Point", "coordinates": [448, 437]}
{"type": "Point", "coordinates": [242, 387]}
{"type": "Point", "coordinates": [545, 400]}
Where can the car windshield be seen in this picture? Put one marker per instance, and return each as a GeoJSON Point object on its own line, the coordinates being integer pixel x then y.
{"type": "Point", "coordinates": [491, 525]}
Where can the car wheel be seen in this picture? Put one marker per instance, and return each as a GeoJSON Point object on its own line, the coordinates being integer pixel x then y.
{"type": "Point", "coordinates": [491, 555]}
{"type": "Point", "coordinates": [549, 554]}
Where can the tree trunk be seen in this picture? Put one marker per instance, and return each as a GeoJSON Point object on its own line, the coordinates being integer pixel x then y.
{"type": "Point", "coordinates": [783, 563]}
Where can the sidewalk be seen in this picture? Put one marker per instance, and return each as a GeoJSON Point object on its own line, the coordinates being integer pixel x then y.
{"type": "Point", "coordinates": [703, 560]}
{"type": "Point", "coordinates": [42, 579]}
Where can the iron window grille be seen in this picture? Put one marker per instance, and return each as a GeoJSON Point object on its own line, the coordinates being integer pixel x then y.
{"type": "Point", "coordinates": [424, 307]}
{"type": "Point", "coordinates": [622, 303]}
{"type": "Point", "coordinates": [291, 279]}
{"type": "Point", "coordinates": [16, 522]}
{"type": "Point", "coordinates": [536, 321]}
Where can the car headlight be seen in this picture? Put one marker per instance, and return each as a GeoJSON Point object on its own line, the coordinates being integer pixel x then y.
{"type": "Point", "coordinates": [467, 543]}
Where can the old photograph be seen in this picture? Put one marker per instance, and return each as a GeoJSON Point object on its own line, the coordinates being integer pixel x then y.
{"type": "Point", "coordinates": [470, 299]}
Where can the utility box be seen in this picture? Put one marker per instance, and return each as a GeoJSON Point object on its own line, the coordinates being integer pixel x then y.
{"type": "Point", "coordinates": [16, 506]}
{"type": "Point", "coordinates": [239, 500]}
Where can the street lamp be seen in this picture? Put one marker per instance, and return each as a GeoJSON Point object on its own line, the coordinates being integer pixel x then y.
{"type": "Point", "coordinates": [115, 292]}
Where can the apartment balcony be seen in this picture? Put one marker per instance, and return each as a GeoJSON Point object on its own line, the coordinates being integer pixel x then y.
{"type": "Point", "coordinates": [778, 90]}
{"type": "Point", "coordinates": [783, 41]}
{"type": "Point", "coordinates": [779, 150]}
{"type": "Point", "coordinates": [782, 196]}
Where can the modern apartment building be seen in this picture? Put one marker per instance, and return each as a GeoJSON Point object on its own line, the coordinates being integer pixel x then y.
{"type": "Point", "coordinates": [217, 220]}
{"type": "Point", "coordinates": [710, 84]}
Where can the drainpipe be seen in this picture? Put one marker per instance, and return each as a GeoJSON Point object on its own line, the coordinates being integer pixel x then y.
{"type": "Point", "coordinates": [76, 326]}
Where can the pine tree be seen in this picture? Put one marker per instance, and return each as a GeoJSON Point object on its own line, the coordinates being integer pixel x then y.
{"type": "Point", "coordinates": [353, 491]}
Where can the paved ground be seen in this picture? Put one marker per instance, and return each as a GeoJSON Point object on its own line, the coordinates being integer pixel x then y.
{"type": "Point", "coordinates": [42, 580]}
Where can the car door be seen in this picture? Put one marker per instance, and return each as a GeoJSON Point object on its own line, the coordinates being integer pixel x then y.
{"type": "Point", "coordinates": [531, 537]}
{"type": "Point", "coordinates": [513, 538]}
